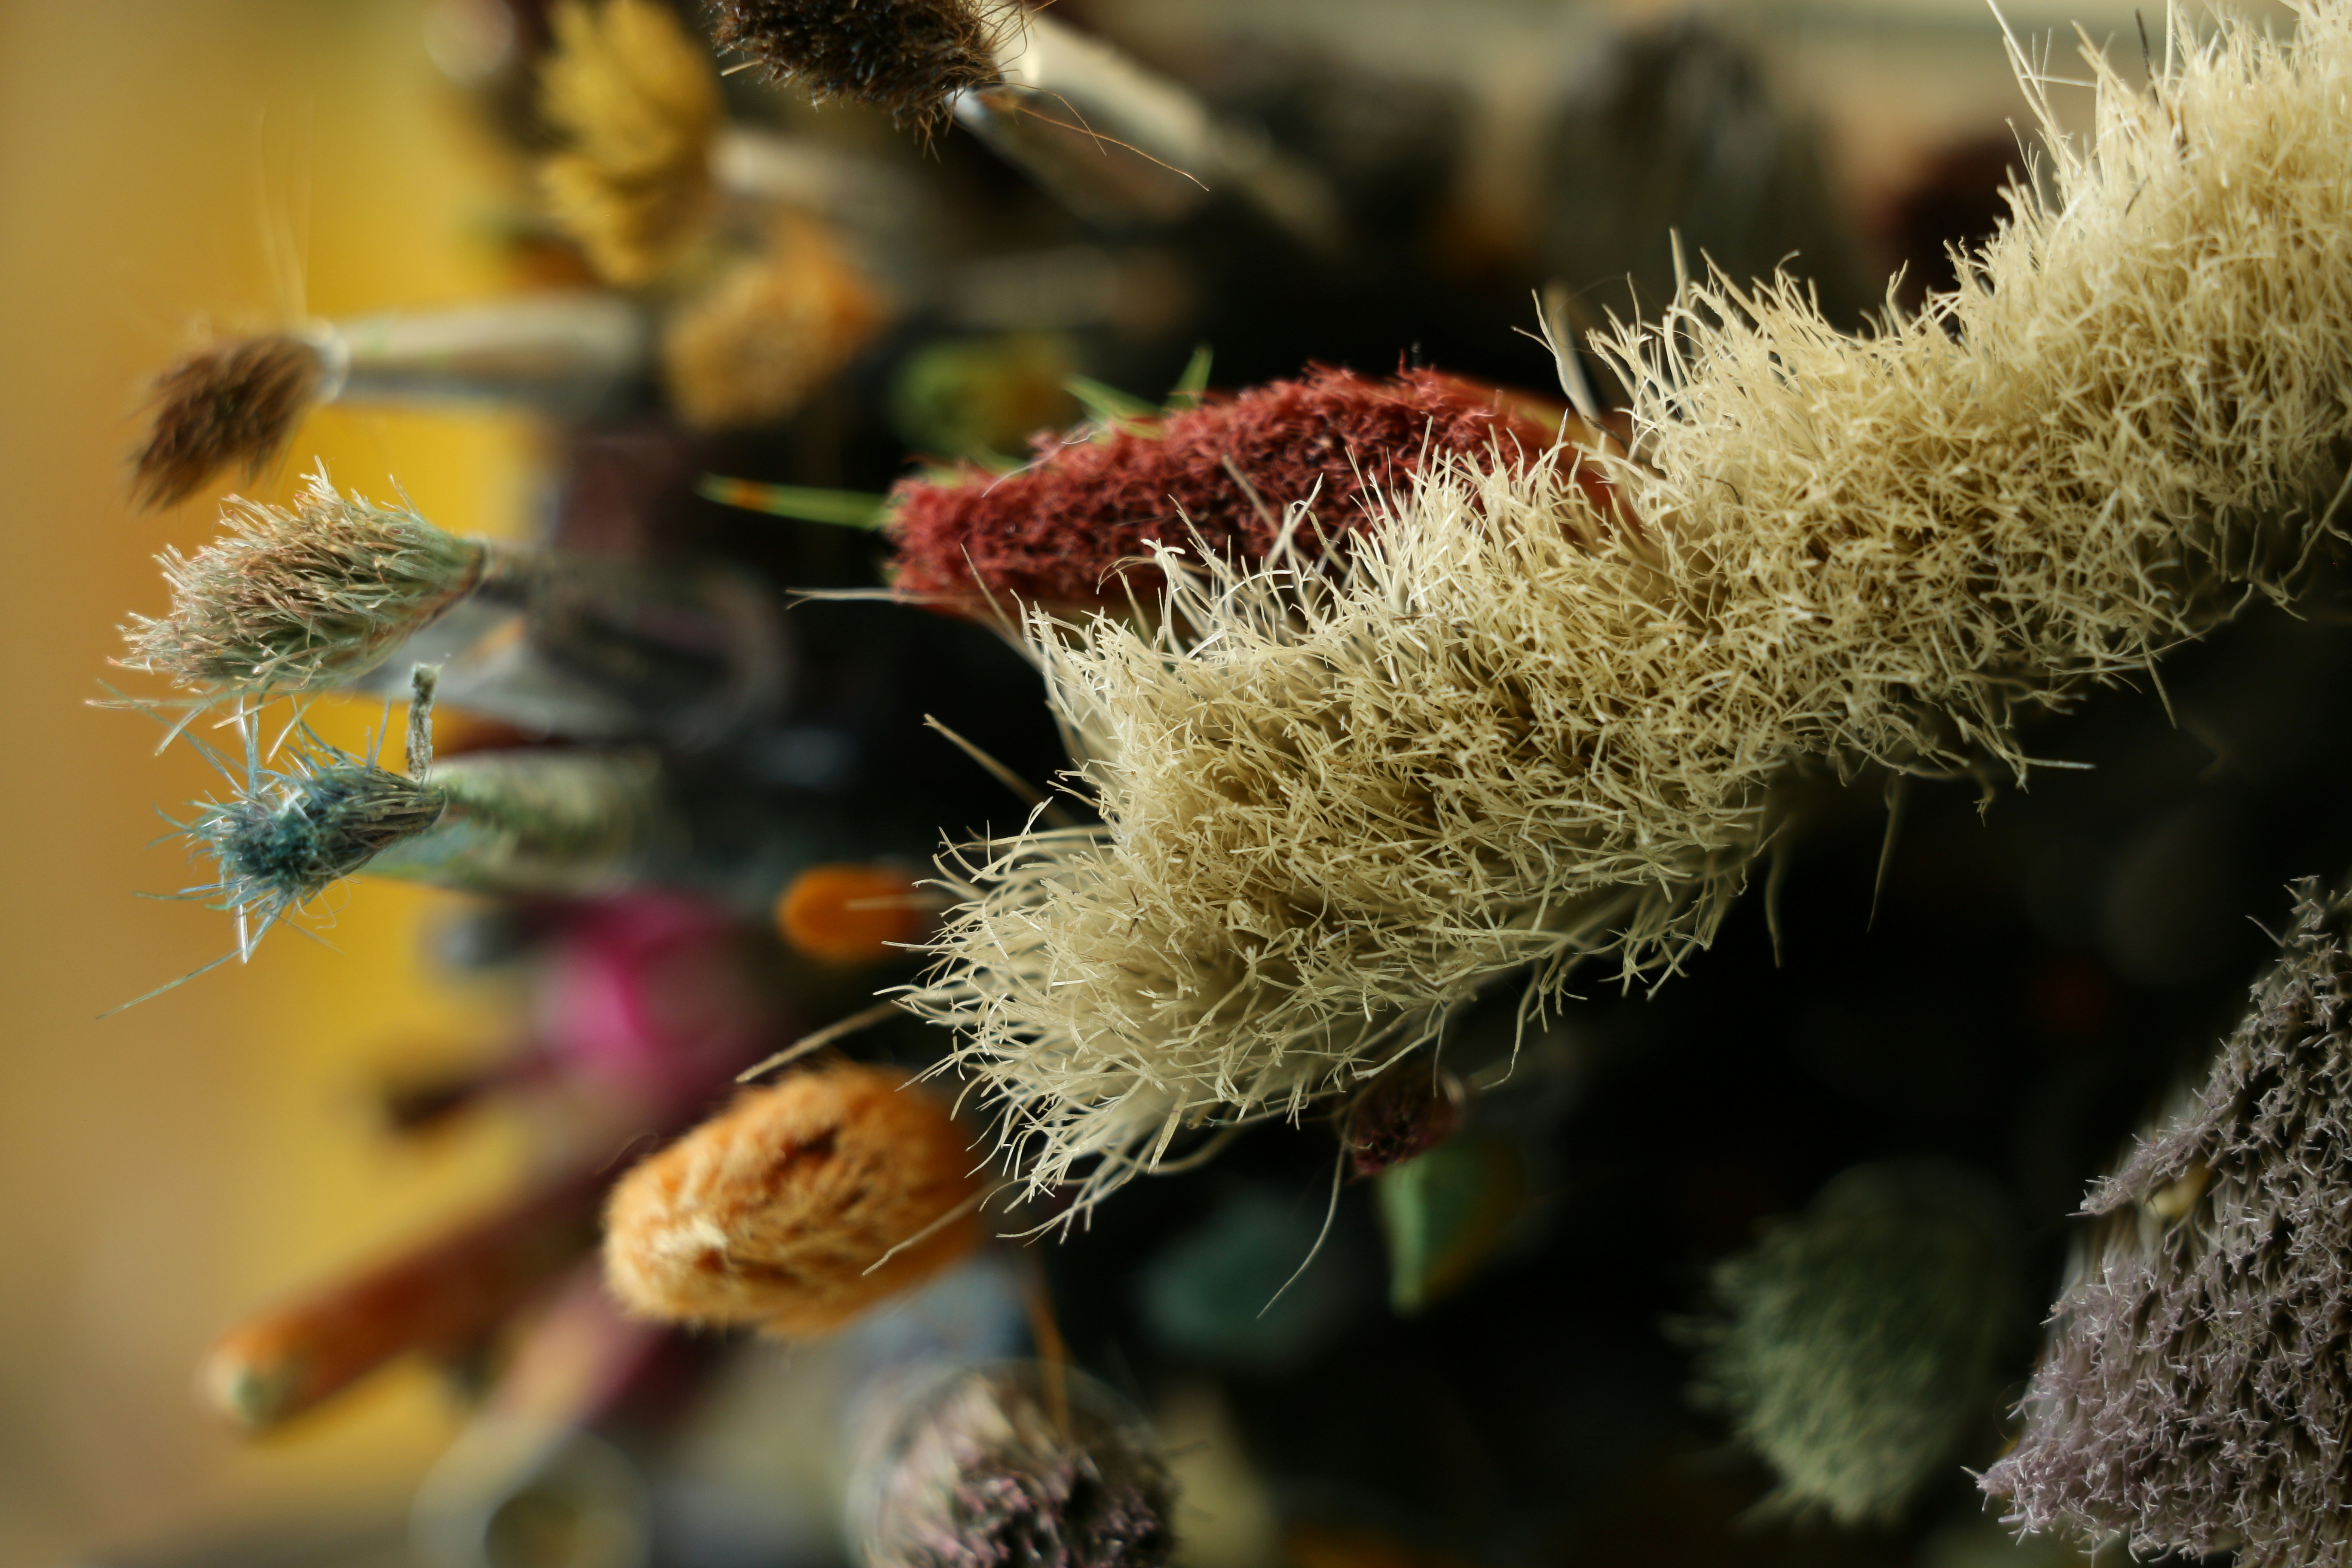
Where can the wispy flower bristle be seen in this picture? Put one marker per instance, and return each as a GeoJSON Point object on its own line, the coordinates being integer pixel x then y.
{"type": "Point", "coordinates": [300, 600]}
{"type": "Point", "coordinates": [909, 57]}
{"type": "Point", "coordinates": [234, 404]}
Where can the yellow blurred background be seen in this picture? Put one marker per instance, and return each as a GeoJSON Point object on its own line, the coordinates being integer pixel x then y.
{"type": "Point", "coordinates": [164, 1169]}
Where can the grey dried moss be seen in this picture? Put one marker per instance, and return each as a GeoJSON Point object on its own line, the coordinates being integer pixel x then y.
{"type": "Point", "coordinates": [1857, 1347]}
{"type": "Point", "coordinates": [2196, 1393]}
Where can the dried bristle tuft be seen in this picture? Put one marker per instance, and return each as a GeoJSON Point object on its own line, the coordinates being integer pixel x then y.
{"type": "Point", "coordinates": [771, 1212]}
{"type": "Point", "coordinates": [231, 405]}
{"type": "Point", "coordinates": [981, 1471]}
{"type": "Point", "coordinates": [302, 600]}
{"type": "Point", "coordinates": [291, 834]}
{"type": "Point", "coordinates": [1856, 1348]}
{"type": "Point", "coordinates": [1504, 737]}
{"type": "Point", "coordinates": [2195, 1388]}
{"type": "Point", "coordinates": [1065, 529]}
{"type": "Point", "coordinates": [909, 57]}
{"type": "Point", "coordinates": [770, 333]}
{"type": "Point", "coordinates": [636, 98]}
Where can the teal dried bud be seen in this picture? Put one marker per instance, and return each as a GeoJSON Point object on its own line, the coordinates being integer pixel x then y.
{"type": "Point", "coordinates": [288, 834]}
{"type": "Point", "coordinates": [540, 821]}
{"type": "Point", "coordinates": [1856, 1348]}
{"type": "Point", "coordinates": [1012, 1465]}
{"type": "Point", "coordinates": [2196, 1393]}
{"type": "Point", "coordinates": [302, 600]}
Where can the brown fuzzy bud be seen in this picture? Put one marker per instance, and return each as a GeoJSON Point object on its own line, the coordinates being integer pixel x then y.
{"type": "Point", "coordinates": [234, 404]}
{"type": "Point", "coordinates": [776, 1211]}
{"type": "Point", "coordinates": [909, 57]}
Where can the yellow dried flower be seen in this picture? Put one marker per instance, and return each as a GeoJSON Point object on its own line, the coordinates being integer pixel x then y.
{"type": "Point", "coordinates": [636, 98]}
{"type": "Point", "coordinates": [771, 332]}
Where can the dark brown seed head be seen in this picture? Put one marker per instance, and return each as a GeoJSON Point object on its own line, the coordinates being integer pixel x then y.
{"type": "Point", "coordinates": [1405, 1111]}
{"type": "Point", "coordinates": [235, 403]}
{"type": "Point", "coordinates": [910, 57]}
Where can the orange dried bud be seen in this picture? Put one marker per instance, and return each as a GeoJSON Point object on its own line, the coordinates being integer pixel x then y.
{"type": "Point", "coordinates": [441, 1295]}
{"type": "Point", "coordinates": [772, 1212]}
{"type": "Point", "coordinates": [852, 915]}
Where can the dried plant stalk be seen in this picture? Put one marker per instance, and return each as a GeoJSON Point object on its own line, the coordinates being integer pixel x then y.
{"type": "Point", "coordinates": [1504, 737]}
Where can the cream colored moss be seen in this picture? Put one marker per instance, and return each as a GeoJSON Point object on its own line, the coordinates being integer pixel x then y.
{"type": "Point", "coordinates": [1506, 737]}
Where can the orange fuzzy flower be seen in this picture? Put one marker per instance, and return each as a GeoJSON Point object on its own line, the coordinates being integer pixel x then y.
{"type": "Point", "coordinates": [773, 1211]}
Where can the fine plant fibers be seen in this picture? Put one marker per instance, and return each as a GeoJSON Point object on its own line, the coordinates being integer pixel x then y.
{"type": "Point", "coordinates": [1857, 1347]}
{"type": "Point", "coordinates": [1505, 736]}
{"type": "Point", "coordinates": [2195, 1394]}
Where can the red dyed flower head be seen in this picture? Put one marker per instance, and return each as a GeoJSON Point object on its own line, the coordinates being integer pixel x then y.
{"type": "Point", "coordinates": [1060, 529]}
